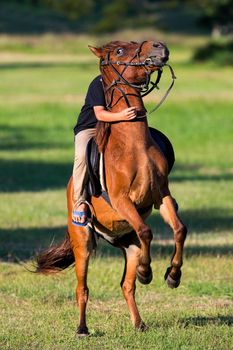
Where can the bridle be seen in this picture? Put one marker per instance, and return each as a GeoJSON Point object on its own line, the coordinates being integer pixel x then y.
{"type": "Point", "coordinates": [143, 89]}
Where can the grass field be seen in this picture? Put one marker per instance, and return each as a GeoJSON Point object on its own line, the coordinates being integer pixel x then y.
{"type": "Point", "coordinates": [42, 88]}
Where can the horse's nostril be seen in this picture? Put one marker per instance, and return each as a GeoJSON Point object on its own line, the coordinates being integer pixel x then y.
{"type": "Point", "coordinates": [158, 45]}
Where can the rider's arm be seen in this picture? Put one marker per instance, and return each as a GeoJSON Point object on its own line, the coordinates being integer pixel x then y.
{"type": "Point", "coordinates": [103, 115]}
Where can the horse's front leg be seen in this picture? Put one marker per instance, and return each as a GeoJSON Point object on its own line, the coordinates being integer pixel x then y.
{"type": "Point", "coordinates": [168, 210]}
{"type": "Point", "coordinates": [127, 210]}
{"type": "Point", "coordinates": [81, 242]}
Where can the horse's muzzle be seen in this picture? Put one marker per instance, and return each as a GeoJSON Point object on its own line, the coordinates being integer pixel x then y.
{"type": "Point", "coordinates": [159, 55]}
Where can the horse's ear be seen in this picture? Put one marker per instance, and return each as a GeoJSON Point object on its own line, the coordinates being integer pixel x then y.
{"type": "Point", "coordinates": [96, 50]}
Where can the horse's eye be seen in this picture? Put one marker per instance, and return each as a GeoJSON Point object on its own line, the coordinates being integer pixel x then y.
{"type": "Point", "coordinates": [120, 51]}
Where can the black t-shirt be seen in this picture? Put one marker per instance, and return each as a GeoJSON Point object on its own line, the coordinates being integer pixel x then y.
{"type": "Point", "coordinates": [94, 97]}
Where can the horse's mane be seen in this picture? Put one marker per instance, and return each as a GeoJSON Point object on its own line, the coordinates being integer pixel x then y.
{"type": "Point", "coordinates": [114, 44]}
{"type": "Point", "coordinates": [102, 134]}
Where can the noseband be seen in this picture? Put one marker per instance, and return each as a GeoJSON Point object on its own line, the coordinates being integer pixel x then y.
{"type": "Point", "coordinates": [144, 89]}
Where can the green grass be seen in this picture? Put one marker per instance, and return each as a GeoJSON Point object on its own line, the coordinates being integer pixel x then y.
{"type": "Point", "coordinates": [41, 93]}
{"type": "Point", "coordinates": [42, 312]}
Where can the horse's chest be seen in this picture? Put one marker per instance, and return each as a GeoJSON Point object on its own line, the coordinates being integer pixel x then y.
{"type": "Point", "coordinates": [140, 189]}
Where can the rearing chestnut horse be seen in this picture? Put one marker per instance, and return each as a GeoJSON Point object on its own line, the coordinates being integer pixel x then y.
{"type": "Point", "coordinates": [136, 173]}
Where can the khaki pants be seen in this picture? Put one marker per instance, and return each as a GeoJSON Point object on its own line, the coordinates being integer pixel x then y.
{"type": "Point", "coordinates": [80, 168]}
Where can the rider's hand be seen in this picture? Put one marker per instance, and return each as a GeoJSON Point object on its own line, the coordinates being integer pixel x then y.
{"type": "Point", "coordinates": [127, 114]}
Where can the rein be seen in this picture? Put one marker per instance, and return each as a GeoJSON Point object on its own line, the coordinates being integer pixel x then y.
{"type": "Point", "coordinates": [144, 89]}
{"type": "Point", "coordinates": [167, 92]}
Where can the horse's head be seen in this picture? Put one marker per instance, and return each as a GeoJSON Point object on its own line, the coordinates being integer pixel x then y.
{"type": "Point", "coordinates": [131, 60]}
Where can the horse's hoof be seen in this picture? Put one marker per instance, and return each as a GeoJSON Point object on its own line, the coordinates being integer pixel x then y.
{"type": "Point", "coordinates": [145, 278]}
{"type": "Point", "coordinates": [82, 332]}
{"type": "Point", "coordinates": [142, 327]}
{"type": "Point", "coordinates": [171, 282]}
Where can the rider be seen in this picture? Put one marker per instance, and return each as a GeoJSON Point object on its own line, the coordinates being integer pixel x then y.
{"type": "Point", "coordinates": [93, 110]}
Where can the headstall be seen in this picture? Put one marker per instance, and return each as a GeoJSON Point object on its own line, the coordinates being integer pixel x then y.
{"type": "Point", "coordinates": [144, 89]}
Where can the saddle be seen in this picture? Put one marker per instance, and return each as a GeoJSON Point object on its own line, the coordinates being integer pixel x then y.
{"type": "Point", "coordinates": [94, 187]}
{"type": "Point", "coordinates": [93, 184]}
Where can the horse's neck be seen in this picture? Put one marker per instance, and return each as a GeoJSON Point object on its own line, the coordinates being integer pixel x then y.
{"type": "Point", "coordinates": [134, 135]}
{"type": "Point", "coordinates": [129, 97]}
{"type": "Point", "coordinates": [134, 131]}
{"type": "Point", "coordinates": [122, 96]}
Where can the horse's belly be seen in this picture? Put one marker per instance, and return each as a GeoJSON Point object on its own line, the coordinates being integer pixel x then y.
{"type": "Point", "coordinates": [108, 223]}
{"type": "Point", "coordinates": [120, 229]}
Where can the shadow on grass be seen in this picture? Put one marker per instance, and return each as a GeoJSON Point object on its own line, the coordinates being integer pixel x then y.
{"type": "Point", "coordinates": [191, 172]}
{"type": "Point", "coordinates": [13, 145]}
{"type": "Point", "coordinates": [21, 244]}
{"type": "Point", "coordinates": [23, 138]}
{"type": "Point", "coordinates": [198, 221]}
{"type": "Point", "coordinates": [166, 250]}
{"type": "Point", "coordinates": [21, 175]}
{"type": "Point", "coordinates": [26, 175]}
{"type": "Point", "coordinates": [203, 321]}
{"type": "Point", "coordinates": [34, 175]}
{"type": "Point", "coordinates": [24, 243]}
{"type": "Point", "coordinates": [201, 177]}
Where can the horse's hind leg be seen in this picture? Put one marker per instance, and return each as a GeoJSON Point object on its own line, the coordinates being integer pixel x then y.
{"type": "Point", "coordinates": [132, 256]}
{"type": "Point", "coordinates": [168, 210]}
{"type": "Point", "coordinates": [81, 241]}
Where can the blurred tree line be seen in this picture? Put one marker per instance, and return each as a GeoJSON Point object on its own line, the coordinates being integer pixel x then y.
{"type": "Point", "coordinates": [216, 14]}
{"type": "Point", "coordinates": [106, 16]}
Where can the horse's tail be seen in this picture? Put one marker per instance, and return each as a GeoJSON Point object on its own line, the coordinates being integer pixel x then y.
{"type": "Point", "coordinates": [55, 258]}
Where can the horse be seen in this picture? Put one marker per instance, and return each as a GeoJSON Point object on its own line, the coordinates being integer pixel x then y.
{"type": "Point", "coordinates": [136, 178]}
